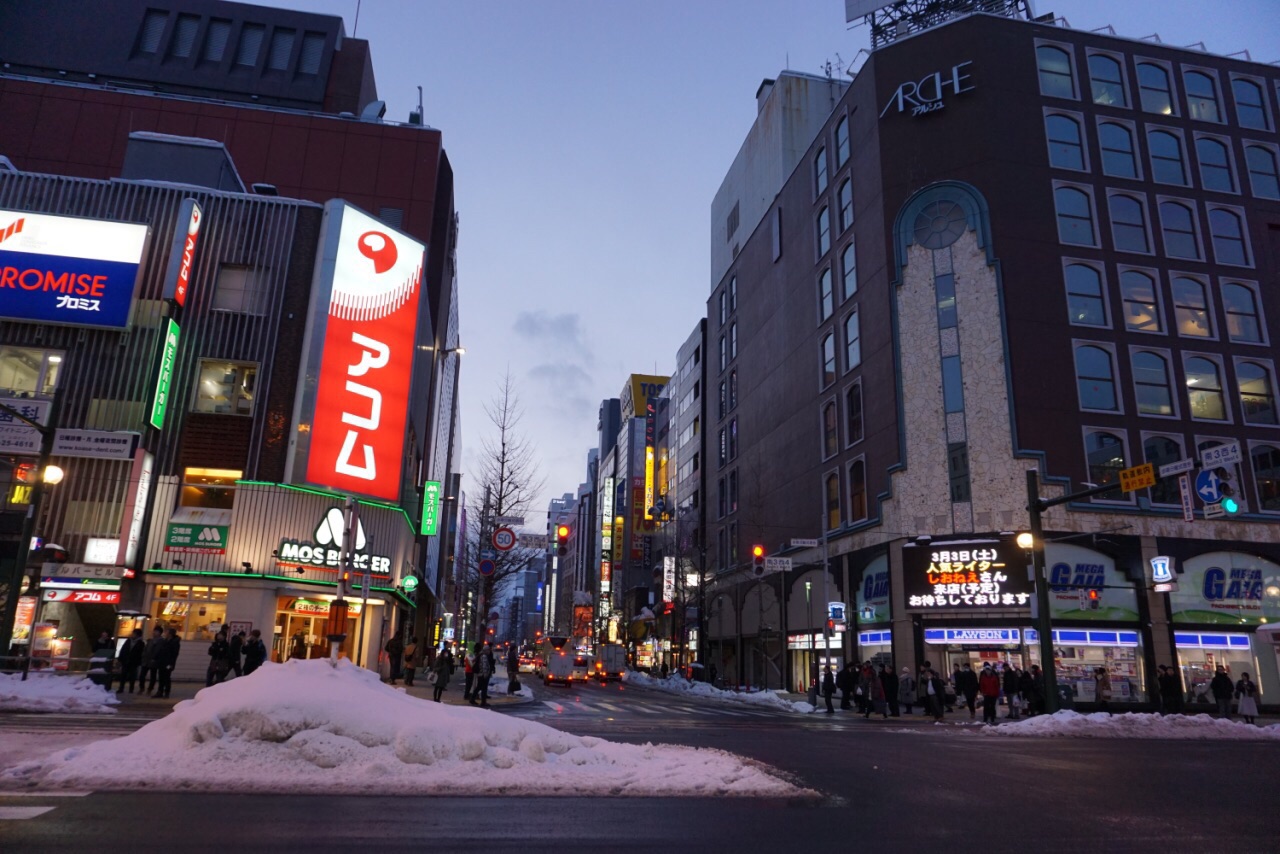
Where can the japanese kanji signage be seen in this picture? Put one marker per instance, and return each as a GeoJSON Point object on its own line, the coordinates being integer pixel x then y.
{"type": "Point", "coordinates": [430, 509]}
{"type": "Point", "coordinates": [966, 575]}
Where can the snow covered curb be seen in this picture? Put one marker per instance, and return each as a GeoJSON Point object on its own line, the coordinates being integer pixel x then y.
{"type": "Point", "coordinates": [1101, 725]}
{"type": "Point", "coordinates": [703, 691]}
{"type": "Point", "coordinates": [46, 692]}
{"type": "Point", "coordinates": [306, 726]}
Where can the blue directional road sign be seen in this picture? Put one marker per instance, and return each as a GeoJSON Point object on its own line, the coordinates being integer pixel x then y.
{"type": "Point", "coordinates": [1209, 486]}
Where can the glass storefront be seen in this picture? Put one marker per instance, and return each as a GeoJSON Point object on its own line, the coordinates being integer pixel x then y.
{"type": "Point", "coordinates": [876, 647]}
{"type": "Point", "coordinates": [195, 613]}
{"type": "Point", "coordinates": [1200, 654]}
{"type": "Point", "coordinates": [302, 629]}
{"type": "Point", "coordinates": [809, 655]}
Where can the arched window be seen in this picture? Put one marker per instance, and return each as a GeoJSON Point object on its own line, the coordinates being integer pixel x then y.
{"type": "Point", "coordinates": [833, 501]}
{"type": "Point", "coordinates": [1105, 455]}
{"type": "Point", "coordinates": [1202, 97]}
{"type": "Point", "coordinates": [828, 359]}
{"type": "Point", "coordinates": [1191, 313]}
{"type": "Point", "coordinates": [1257, 394]}
{"type": "Point", "coordinates": [852, 341]}
{"type": "Point", "coordinates": [853, 414]}
{"type": "Point", "coordinates": [1055, 72]}
{"type": "Point", "coordinates": [1251, 111]}
{"type": "Point", "coordinates": [1116, 143]}
{"type": "Point", "coordinates": [1160, 451]}
{"type": "Point", "coordinates": [849, 269]}
{"type": "Point", "coordinates": [1106, 81]}
{"type": "Point", "coordinates": [826, 299]}
{"type": "Point", "coordinates": [1141, 305]}
{"type": "Point", "coordinates": [1166, 158]}
{"type": "Point", "coordinates": [1095, 378]}
{"type": "Point", "coordinates": [1266, 476]}
{"type": "Point", "coordinates": [1263, 174]}
{"type": "Point", "coordinates": [1151, 384]}
{"type": "Point", "coordinates": [830, 424]}
{"type": "Point", "coordinates": [1128, 224]}
{"type": "Point", "coordinates": [1179, 231]}
{"type": "Point", "coordinates": [846, 205]}
{"type": "Point", "coordinates": [1085, 303]}
{"type": "Point", "coordinates": [1241, 306]}
{"type": "Point", "coordinates": [1228, 237]}
{"type": "Point", "coordinates": [842, 142]}
{"type": "Point", "coordinates": [1065, 148]}
{"type": "Point", "coordinates": [857, 491]}
{"type": "Point", "coordinates": [1153, 88]}
{"type": "Point", "coordinates": [1075, 217]}
{"type": "Point", "coordinates": [1215, 166]}
{"type": "Point", "coordinates": [1204, 389]}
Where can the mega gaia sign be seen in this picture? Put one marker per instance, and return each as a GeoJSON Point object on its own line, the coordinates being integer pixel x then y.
{"type": "Point", "coordinates": [1227, 588]}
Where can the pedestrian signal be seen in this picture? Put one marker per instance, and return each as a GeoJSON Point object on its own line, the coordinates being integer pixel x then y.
{"type": "Point", "coordinates": [1095, 599]}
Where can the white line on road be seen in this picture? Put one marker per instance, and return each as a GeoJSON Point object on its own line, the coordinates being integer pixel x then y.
{"type": "Point", "coordinates": [555, 707]}
{"type": "Point", "coordinates": [21, 813]}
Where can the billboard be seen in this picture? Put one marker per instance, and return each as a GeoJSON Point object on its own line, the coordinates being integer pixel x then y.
{"type": "Point", "coordinates": [68, 270]}
{"type": "Point", "coordinates": [359, 356]}
{"type": "Point", "coordinates": [965, 575]}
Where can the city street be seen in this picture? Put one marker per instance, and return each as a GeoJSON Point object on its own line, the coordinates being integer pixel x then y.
{"type": "Point", "coordinates": [890, 785]}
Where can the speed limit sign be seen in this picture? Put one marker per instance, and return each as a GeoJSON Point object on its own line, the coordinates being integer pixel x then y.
{"type": "Point", "coordinates": [504, 539]}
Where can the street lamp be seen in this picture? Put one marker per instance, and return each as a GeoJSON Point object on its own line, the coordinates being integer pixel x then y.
{"type": "Point", "coordinates": [53, 475]}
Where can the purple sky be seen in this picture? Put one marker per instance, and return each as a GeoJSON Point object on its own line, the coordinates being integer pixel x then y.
{"type": "Point", "coordinates": [587, 140]}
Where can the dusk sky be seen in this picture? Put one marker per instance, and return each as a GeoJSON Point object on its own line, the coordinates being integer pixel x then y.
{"type": "Point", "coordinates": [587, 140]}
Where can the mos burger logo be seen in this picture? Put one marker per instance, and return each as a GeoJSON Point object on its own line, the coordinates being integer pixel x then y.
{"type": "Point", "coordinates": [325, 549]}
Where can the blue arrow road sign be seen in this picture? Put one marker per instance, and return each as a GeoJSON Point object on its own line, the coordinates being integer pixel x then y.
{"type": "Point", "coordinates": [1209, 486]}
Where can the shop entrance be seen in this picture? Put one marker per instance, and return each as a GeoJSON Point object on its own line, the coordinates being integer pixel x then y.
{"type": "Point", "coordinates": [302, 630]}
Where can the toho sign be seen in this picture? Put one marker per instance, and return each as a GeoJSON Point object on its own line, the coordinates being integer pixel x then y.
{"type": "Point", "coordinates": [196, 538]}
{"type": "Point", "coordinates": [325, 549]}
{"type": "Point", "coordinates": [164, 381]}
{"type": "Point", "coordinates": [928, 93]}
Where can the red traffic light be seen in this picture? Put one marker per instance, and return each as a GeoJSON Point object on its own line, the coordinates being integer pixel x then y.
{"type": "Point", "coordinates": [757, 551]}
{"type": "Point", "coordinates": [1095, 599]}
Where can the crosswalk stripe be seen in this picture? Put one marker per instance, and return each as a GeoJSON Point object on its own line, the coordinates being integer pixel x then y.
{"type": "Point", "coordinates": [555, 707]}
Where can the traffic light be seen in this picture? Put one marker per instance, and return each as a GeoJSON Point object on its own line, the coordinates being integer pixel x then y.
{"type": "Point", "coordinates": [562, 540]}
{"type": "Point", "coordinates": [1095, 599]}
{"type": "Point", "coordinates": [757, 561]}
{"type": "Point", "coordinates": [1226, 486]}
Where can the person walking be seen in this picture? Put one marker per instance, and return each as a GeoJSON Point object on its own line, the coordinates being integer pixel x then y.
{"type": "Point", "coordinates": [1247, 698]}
{"type": "Point", "coordinates": [148, 665]}
{"type": "Point", "coordinates": [935, 693]}
{"type": "Point", "coordinates": [828, 688]}
{"type": "Point", "coordinates": [1222, 690]}
{"type": "Point", "coordinates": [1102, 689]}
{"type": "Point", "coordinates": [906, 690]}
{"type": "Point", "coordinates": [889, 685]}
{"type": "Point", "coordinates": [989, 687]}
{"type": "Point", "coordinates": [513, 669]}
{"type": "Point", "coordinates": [219, 659]}
{"type": "Point", "coordinates": [395, 657]}
{"type": "Point", "coordinates": [255, 652]}
{"type": "Point", "coordinates": [166, 660]}
{"type": "Point", "coordinates": [1011, 696]}
{"type": "Point", "coordinates": [130, 659]}
{"type": "Point", "coordinates": [484, 670]}
{"type": "Point", "coordinates": [469, 668]}
{"type": "Point", "coordinates": [410, 665]}
{"type": "Point", "coordinates": [236, 643]}
{"type": "Point", "coordinates": [843, 678]}
{"type": "Point", "coordinates": [441, 670]}
{"type": "Point", "coordinates": [966, 682]}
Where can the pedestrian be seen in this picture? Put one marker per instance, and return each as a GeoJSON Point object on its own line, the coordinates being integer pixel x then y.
{"type": "Point", "coordinates": [395, 656]}
{"type": "Point", "coordinates": [149, 666]}
{"type": "Point", "coordinates": [966, 682]}
{"type": "Point", "coordinates": [103, 658]}
{"type": "Point", "coordinates": [236, 642]}
{"type": "Point", "coordinates": [166, 660]}
{"type": "Point", "coordinates": [935, 693]}
{"type": "Point", "coordinates": [712, 674]}
{"type": "Point", "coordinates": [989, 687]}
{"type": "Point", "coordinates": [889, 685]}
{"type": "Point", "coordinates": [847, 681]}
{"type": "Point", "coordinates": [1170, 682]}
{"type": "Point", "coordinates": [1010, 685]}
{"type": "Point", "coordinates": [828, 688]}
{"type": "Point", "coordinates": [441, 670]}
{"type": "Point", "coordinates": [513, 669]}
{"type": "Point", "coordinates": [1102, 689]}
{"type": "Point", "coordinates": [906, 690]}
{"type": "Point", "coordinates": [1247, 698]}
{"type": "Point", "coordinates": [130, 659]}
{"type": "Point", "coordinates": [1029, 686]}
{"type": "Point", "coordinates": [1222, 690]}
{"type": "Point", "coordinates": [484, 670]}
{"type": "Point", "coordinates": [219, 658]}
{"type": "Point", "coordinates": [298, 647]}
{"type": "Point", "coordinates": [255, 652]}
{"type": "Point", "coordinates": [469, 668]}
{"type": "Point", "coordinates": [410, 665]}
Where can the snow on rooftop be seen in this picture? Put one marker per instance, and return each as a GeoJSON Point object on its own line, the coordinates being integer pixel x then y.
{"type": "Point", "coordinates": [308, 726]}
{"type": "Point", "coordinates": [48, 692]}
{"type": "Point", "coordinates": [676, 684]}
{"type": "Point", "coordinates": [1130, 725]}
{"type": "Point", "coordinates": [176, 139]}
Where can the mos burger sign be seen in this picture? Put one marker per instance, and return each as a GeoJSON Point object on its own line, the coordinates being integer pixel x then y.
{"type": "Point", "coordinates": [354, 393]}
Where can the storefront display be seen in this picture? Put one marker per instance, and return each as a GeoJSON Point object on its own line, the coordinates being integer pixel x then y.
{"type": "Point", "coordinates": [876, 647]}
{"type": "Point", "coordinates": [196, 613]}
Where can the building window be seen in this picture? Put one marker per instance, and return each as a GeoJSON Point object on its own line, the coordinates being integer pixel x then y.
{"type": "Point", "coordinates": [833, 501]}
{"type": "Point", "coordinates": [312, 53]}
{"type": "Point", "coordinates": [842, 142]}
{"type": "Point", "coordinates": [733, 294]}
{"type": "Point", "coordinates": [846, 205]}
{"type": "Point", "coordinates": [733, 388]}
{"type": "Point", "coordinates": [1141, 305]}
{"type": "Point", "coordinates": [1257, 393]}
{"type": "Point", "coordinates": [824, 231]}
{"type": "Point", "coordinates": [731, 223]}
{"type": "Point", "coordinates": [777, 233]}
{"type": "Point", "coordinates": [1166, 158]}
{"type": "Point", "coordinates": [733, 340]}
{"type": "Point", "coordinates": [1151, 384]}
{"type": "Point", "coordinates": [1160, 451]}
{"type": "Point", "coordinates": [183, 43]}
{"type": "Point", "coordinates": [722, 453]}
{"type": "Point", "coordinates": [216, 37]}
{"type": "Point", "coordinates": [857, 491]}
{"type": "Point", "coordinates": [1263, 174]}
{"type": "Point", "coordinates": [1066, 151]}
{"type": "Point", "coordinates": [1075, 217]}
{"type": "Point", "coordinates": [853, 413]}
{"type": "Point", "coordinates": [1153, 88]}
{"type": "Point", "coordinates": [1106, 458]}
{"type": "Point", "coordinates": [944, 286]}
{"type": "Point", "coordinates": [240, 289]}
{"type": "Point", "coordinates": [1116, 142]}
{"type": "Point", "coordinates": [1241, 305]}
{"type": "Point", "coordinates": [281, 49]}
{"type": "Point", "coordinates": [225, 388]}
{"type": "Point", "coordinates": [152, 29]}
{"type": "Point", "coordinates": [1228, 237]}
{"type": "Point", "coordinates": [852, 341]}
{"type": "Point", "coordinates": [733, 491]}
{"type": "Point", "coordinates": [958, 471]}
{"type": "Point", "coordinates": [214, 488]}
{"type": "Point", "coordinates": [723, 499]}
{"type": "Point", "coordinates": [1086, 305]}
{"type": "Point", "coordinates": [830, 426]}
{"type": "Point", "coordinates": [724, 353]}
{"type": "Point", "coordinates": [1191, 308]}
{"type": "Point", "coordinates": [952, 385]}
{"type": "Point", "coordinates": [1128, 224]}
{"type": "Point", "coordinates": [1215, 165]}
{"type": "Point", "coordinates": [1056, 80]}
{"type": "Point", "coordinates": [1251, 109]}
{"type": "Point", "coordinates": [1106, 80]}
{"type": "Point", "coordinates": [724, 399]}
{"type": "Point", "coordinates": [1202, 96]}
{"type": "Point", "coordinates": [251, 38]}
{"type": "Point", "coordinates": [1266, 476]}
{"type": "Point", "coordinates": [820, 170]}
{"type": "Point", "coordinates": [733, 439]}
{"type": "Point", "coordinates": [1204, 389]}
{"type": "Point", "coordinates": [826, 299]}
{"type": "Point", "coordinates": [1095, 379]}
{"type": "Point", "coordinates": [27, 371]}
{"type": "Point", "coordinates": [1178, 228]}
{"type": "Point", "coordinates": [724, 306]}
{"type": "Point", "coordinates": [828, 359]}
{"type": "Point", "coordinates": [849, 270]}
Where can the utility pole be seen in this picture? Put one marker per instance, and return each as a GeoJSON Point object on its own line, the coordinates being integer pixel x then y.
{"type": "Point", "coordinates": [826, 596]}
{"type": "Point", "coordinates": [482, 617]}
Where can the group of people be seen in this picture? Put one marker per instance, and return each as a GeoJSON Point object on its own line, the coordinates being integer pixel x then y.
{"type": "Point", "coordinates": [879, 690]}
{"type": "Point", "coordinates": [440, 665]}
{"type": "Point", "coordinates": [141, 666]}
{"type": "Point", "coordinates": [234, 655]}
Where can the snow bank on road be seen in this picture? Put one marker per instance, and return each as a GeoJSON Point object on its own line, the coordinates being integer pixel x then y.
{"type": "Point", "coordinates": [704, 691]}
{"type": "Point", "coordinates": [46, 692]}
{"type": "Point", "coordinates": [1130, 725]}
{"type": "Point", "coordinates": [307, 726]}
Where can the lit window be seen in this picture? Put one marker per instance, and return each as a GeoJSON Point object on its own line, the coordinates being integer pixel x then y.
{"type": "Point", "coordinates": [820, 170]}
{"type": "Point", "coordinates": [1228, 237]}
{"type": "Point", "coordinates": [1065, 148]}
{"type": "Point", "coordinates": [824, 231]}
{"type": "Point", "coordinates": [1106, 81]}
{"type": "Point", "coordinates": [1266, 476]}
{"type": "Point", "coordinates": [1263, 174]}
{"type": "Point", "coordinates": [828, 359]}
{"type": "Point", "coordinates": [1257, 393]}
{"type": "Point", "coordinates": [1179, 231]}
{"type": "Point", "coordinates": [1215, 166]}
{"type": "Point", "coordinates": [1202, 96]}
{"type": "Point", "coordinates": [1116, 142]}
{"type": "Point", "coordinates": [857, 491]}
{"type": "Point", "coordinates": [1106, 458]}
{"type": "Point", "coordinates": [1204, 389]}
{"type": "Point", "coordinates": [833, 502]}
{"type": "Point", "coordinates": [27, 371]}
{"type": "Point", "coordinates": [1085, 302]}
{"type": "Point", "coordinates": [1141, 307]}
{"type": "Point", "coordinates": [1151, 384]}
{"type": "Point", "coordinates": [830, 437]}
{"type": "Point", "coordinates": [214, 488]}
{"type": "Point", "coordinates": [1166, 158]}
{"type": "Point", "coordinates": [1251, 110]}
{"type": "Point", "coordinates": [1241, 305]}
{"type": "Point", "coordinates": [1153, 89]}
{"type": "Point", "coordinates": [849, 270]}
{"type": "Point", "coordinates": [1095, 379]}
{"type": "Point", "coordinates": [826, 299]}
{"type": "Point", "coordinates": [1191, 308]}
{"type": "Point", "coordinates": [1128, 224]}
{"type": "Point", "coordinates": [733, 388]}
{"type": "Point", "coordinates": [225, 388]}
{"type": "Point", "coordinates": [1075, 218]}
{"type": "Point", "coordinates": [852, 341]}
{"type": "Point", "coordinates": [846, 205]}
{"type": "Point", "coordinates": [1160, 451]}
{"type": "Point", "coordinates": [853, 413]}
{"type": "Point", "coordinates": [1055, 72]}
{"type": "Point", "coordinates": [842, 142]}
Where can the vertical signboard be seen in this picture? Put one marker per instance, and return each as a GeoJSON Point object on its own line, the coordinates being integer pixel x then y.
{"type": "Point", "coordinates": [135, 507]}
{"type": "Point", "coordinates": [650, 441]}
{"type": "Point", "coordinates": [182, 255]}
{"type": "Point", "coordinates": [359, 357]}
{"type": "Point", "coordinates": [164, 379]}
{"type": "Point", "coordinates": [430, 508]}
{"type": "Point", "coordinates": [669, 579]}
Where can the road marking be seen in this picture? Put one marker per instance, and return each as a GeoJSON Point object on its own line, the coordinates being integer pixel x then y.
{"type": "Point", "coordinates": [21, 813]}
{"type": "Point", "coordinates": [610, 706]}
{"type": "Point", "coordinates": [555, 707]}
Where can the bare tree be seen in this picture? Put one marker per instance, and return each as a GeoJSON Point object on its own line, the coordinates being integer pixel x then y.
{"type": "Point", "coordinates": [506, 484]}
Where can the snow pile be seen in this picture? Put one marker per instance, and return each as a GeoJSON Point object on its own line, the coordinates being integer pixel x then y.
{"type": "Point", "coordinates": [705, 691]}
{"type": "Point", "coordinates": [1131, 725]}
{"type": "Point", "coordinates": [46, 692]}
{"type": "Point", "coordinates": [308, 726]}
{"type": "Point", "coordinates": [498, 686]}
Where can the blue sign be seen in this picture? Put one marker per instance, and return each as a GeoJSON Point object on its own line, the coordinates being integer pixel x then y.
{"type": "Point", "coordinates": [1209, 486]}
{"type": "Point", "coordinates": [996, 636]}
{"type": "Point", "coordinates": [539, 600]}
{"type": "Point", "coordinates": [67, 270]}
{"type": "Point", "coordinates": [486, 567]}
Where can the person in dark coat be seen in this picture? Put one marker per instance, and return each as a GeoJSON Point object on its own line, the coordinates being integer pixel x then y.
{"type": "Point", "coordinates": [219, 659]}
{"type": "Point", "coordinates": [1010, 685]}
{"type": "Point", "coordinates": [966, 682]}
{"type": "Point", "coordinates": [1170, 683]}
{"type": "Point", "coordinates": [1033, 690]}
{"type": "Point", "coordinates": [166, 660]}
{"type": "Point", "coordinates": [442, 668]}
{"type": "Point", "coordinates": [1223, 690]}
{"type": "Point", "coordinates": [934, 690]}
{"type": "Point", "coordinates": [513, 669]}
{"type": "Point", "coordinates": [847, 681]}
{"type": "Point", "coordinates": [255, 652]}
{"type": "Point", "coordinates": [395, 652]}
{"type": "Point", "coordinates": [236, 643]}
{"type": "Point", "coordinates": [130, 659]}
{"type": "Point", "coordinates": [828, 688]}
{"type": "Point", "coordinates": [889, 682]}
{"type": "Point", "coordinates": [149, 665]}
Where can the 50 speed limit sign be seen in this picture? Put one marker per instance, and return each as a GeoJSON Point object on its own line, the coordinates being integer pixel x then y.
{"type": "Point", "coordinates": [504, 539]}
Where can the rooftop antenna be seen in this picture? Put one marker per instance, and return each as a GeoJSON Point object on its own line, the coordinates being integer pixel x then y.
{"type": "Point", "coordinates": [355, 27]}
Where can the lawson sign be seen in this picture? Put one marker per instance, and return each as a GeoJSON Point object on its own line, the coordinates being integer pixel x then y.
{"type": "Point", "coordinates": [68, 270]}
